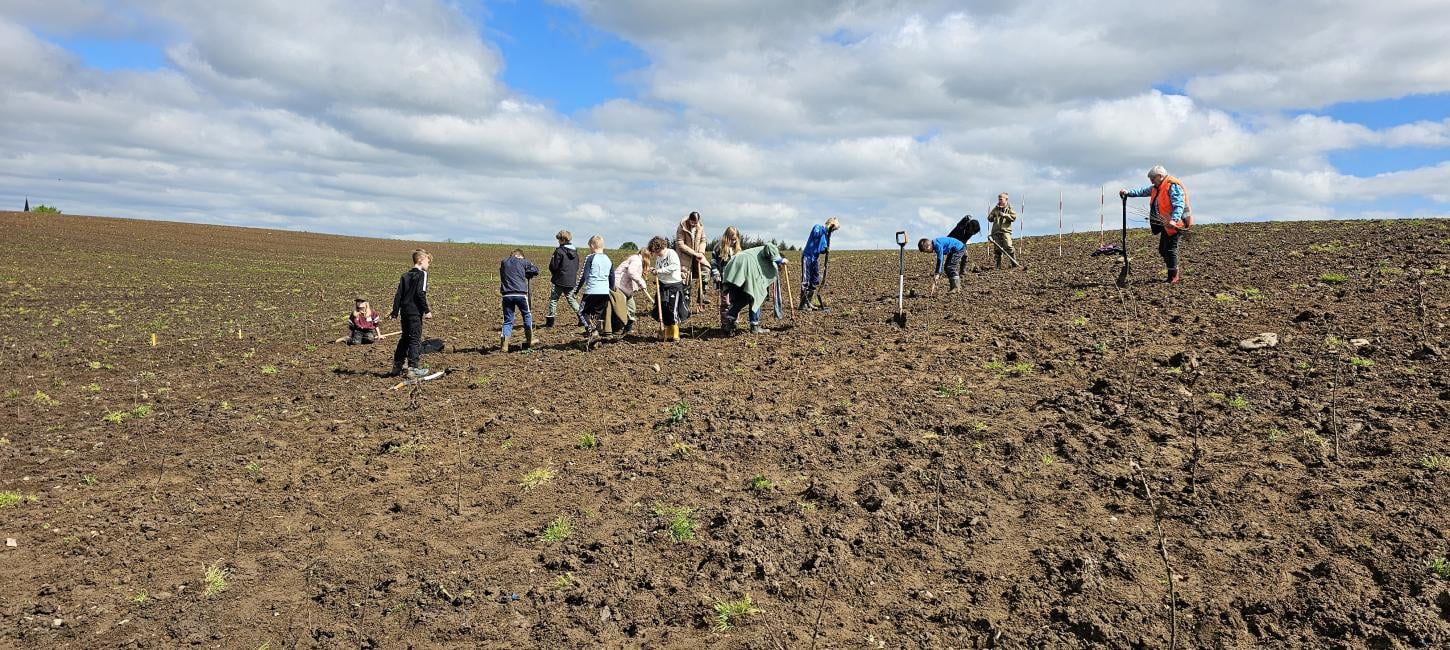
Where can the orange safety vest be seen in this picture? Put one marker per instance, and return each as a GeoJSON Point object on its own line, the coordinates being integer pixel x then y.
{"type": "Point", "coordinates": [1162, 203]}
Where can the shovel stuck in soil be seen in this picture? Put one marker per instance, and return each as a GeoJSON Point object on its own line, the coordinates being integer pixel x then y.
{"type": "Point", "coordinates": [1127, 268]}
{"type": "Point", "coordinates": [900, 318]}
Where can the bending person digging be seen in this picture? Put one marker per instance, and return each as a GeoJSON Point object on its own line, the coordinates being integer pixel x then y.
{"type": "Point", "coordinates": [817, 244]}
{"type": "Point", "coordinates": [746, 279]}
{"type": "Point", "coordinates": [949, 252]}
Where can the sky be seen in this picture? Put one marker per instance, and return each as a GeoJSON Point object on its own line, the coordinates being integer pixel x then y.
{"type": "Point", "coordinates": [507, 120]}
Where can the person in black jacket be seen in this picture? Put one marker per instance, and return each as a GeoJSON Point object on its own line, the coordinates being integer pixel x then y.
{"type": "Point", "coordinates": [514, 273]}
{"type": "Point", "coordinates": [564, 271]}
{"type": "Point", "coordinates": [411, 303]}
{"type": "Point", "coordinates": [963, 231]}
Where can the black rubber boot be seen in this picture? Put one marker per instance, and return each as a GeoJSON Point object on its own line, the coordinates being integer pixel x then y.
{"type": "Point", "coordinates": [757, 329]}
{"type": "Point", "coordinates": [549, 321]}
{"type": "Point", "coordinates": [528, 337]}
{"type": "Point", "coordinates": [806, 295]}
{"type": "Point", "coordinates": [954, 284]}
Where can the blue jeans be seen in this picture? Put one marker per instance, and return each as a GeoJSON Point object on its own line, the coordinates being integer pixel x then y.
{"type": "Point", "coordinates": [510, 303]}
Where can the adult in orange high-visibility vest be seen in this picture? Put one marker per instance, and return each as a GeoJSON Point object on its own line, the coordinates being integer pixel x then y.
{"type": "Point", "coordinates": [1168, 214]}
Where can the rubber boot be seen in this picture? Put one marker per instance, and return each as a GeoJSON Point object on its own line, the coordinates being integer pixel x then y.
{"type": "Point", "coordinates": [528, 337]}
{"type": "Point", "coordinates": [806, 296]}
{"type": "Point", "coordinates": [755, 328]}
{"type": "Point", "coordinates": [628, 329]}
{"type": "Point", "coordinates": [549, 321]}
{"type": "Point", "coordinates": [503, 343]}
{"type": "Point", "coordinates": [954, 284]}
{"type": "Point", "coordinates": [675, 332]}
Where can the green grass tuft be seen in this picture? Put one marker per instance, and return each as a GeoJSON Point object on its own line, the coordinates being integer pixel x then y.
{"type": "Point", "coordinates": [679, 523]}
{"type": "Point", "coordinates": [727, 613]}
{"type": "Point", "coordinates": [558, 530]}
{"type": "Point", "coordinates": [215, 580]}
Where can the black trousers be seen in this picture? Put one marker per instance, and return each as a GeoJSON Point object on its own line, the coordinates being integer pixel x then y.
{"type": "Point", "coordinates": [410, 342]}
{"type": "Point", "coordinates": [1168, 248]}
{"type": "Point", "coordinates": [592, 310]}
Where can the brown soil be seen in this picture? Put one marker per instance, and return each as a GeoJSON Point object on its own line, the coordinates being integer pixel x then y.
{"type": "Point", "coordinates": [979, 479]}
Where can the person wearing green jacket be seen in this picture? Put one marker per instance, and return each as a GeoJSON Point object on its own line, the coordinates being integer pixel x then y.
{"type": "Point", "coordinates": [746, 279]}
{"type": "Point", "coordinates": [1001, 218]}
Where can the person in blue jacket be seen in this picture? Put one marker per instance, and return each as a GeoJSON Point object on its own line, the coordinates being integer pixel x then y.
{"type": "Point", "coordinates": [818, 243]}
{"type": "Point", "coordinates": [949, 252]}
{"type": "Point", "coordinates": [596, 281]}
{"type": "Point", "coordinates": [514, 273]}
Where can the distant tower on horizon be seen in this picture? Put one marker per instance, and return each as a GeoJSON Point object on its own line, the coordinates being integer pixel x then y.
{"type": "Point", "coordinates": [27, 204]}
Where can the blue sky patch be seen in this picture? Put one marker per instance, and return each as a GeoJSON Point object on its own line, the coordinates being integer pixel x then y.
{"type": "Point", "coordinates": [1392, 112]}
{"type": "Point", "coordinates": [1369, 161]}
{"type": "Point", "coordinates": [114, 53]}
{"type": "Point", "coordinates": [552, 54]}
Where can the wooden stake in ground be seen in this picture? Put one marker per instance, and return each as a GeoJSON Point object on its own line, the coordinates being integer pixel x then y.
{"type": "Point", "coordinates": [1022, 217]}
{"type": "Point", "coordinates": [789, 295]}
{"type": "Point", "coordinates": [1102, 205]}
{"type": "Point", "coordinates": [1059, 223]}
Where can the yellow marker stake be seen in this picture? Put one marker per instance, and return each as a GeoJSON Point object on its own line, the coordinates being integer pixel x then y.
{"type": "Point", "coordinates": [153, 339]}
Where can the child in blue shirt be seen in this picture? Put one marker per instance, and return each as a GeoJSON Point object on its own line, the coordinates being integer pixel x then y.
{"type": "Point", "coordinates": [595, 283]}
{"type": "Point", "coordinates": [949, 252]}
{"type": "Point", "coordinates": [817, 244]}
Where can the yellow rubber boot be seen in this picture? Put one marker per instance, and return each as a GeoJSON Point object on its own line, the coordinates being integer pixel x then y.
{"type": "Point", "coordinates": [675, 332]}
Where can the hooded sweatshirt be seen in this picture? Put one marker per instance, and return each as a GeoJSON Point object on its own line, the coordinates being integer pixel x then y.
{"type": "Point", "coordinates": [564, 266]}
{"type": "Point", "coordinates": [754, 270]}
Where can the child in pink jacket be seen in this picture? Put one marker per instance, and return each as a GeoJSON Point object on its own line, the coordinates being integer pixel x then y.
{"type": "Point", "coordinates": [629, 278]}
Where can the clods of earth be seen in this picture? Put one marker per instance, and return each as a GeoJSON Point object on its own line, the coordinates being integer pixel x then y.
{"type": "Point", "coordinates": [1038, 460]}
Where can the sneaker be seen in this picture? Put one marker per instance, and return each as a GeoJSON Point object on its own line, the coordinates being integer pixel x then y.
{"type": "Point", "coordinates": [418, 372]}
{"type": "Point", "coordinates": [1173, 276]}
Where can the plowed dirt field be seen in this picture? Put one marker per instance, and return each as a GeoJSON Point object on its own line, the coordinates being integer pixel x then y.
{"type": "Point", "coordinates": [1039, 460]}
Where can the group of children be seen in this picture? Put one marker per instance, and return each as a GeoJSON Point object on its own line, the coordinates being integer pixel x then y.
{"type": "Point", "coordinates": [741, 277]}
{"type": "Point", "coordinates": [603, 294]}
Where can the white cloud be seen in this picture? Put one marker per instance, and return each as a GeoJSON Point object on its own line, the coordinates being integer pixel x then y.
{"type": "Point", "coordinates": [390, 119]}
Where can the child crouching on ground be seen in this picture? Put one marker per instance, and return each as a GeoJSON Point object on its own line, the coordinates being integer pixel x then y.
{"type": "Point", "coordinates": [595, 282]}
{"type": "Point", "coordinates": [363, 324]}
{"type": "Point", "coordinates": [514, 273]}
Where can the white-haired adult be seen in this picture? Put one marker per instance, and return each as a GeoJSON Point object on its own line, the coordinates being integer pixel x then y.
{"type": "Point", "coordinates": [1168, 214]}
